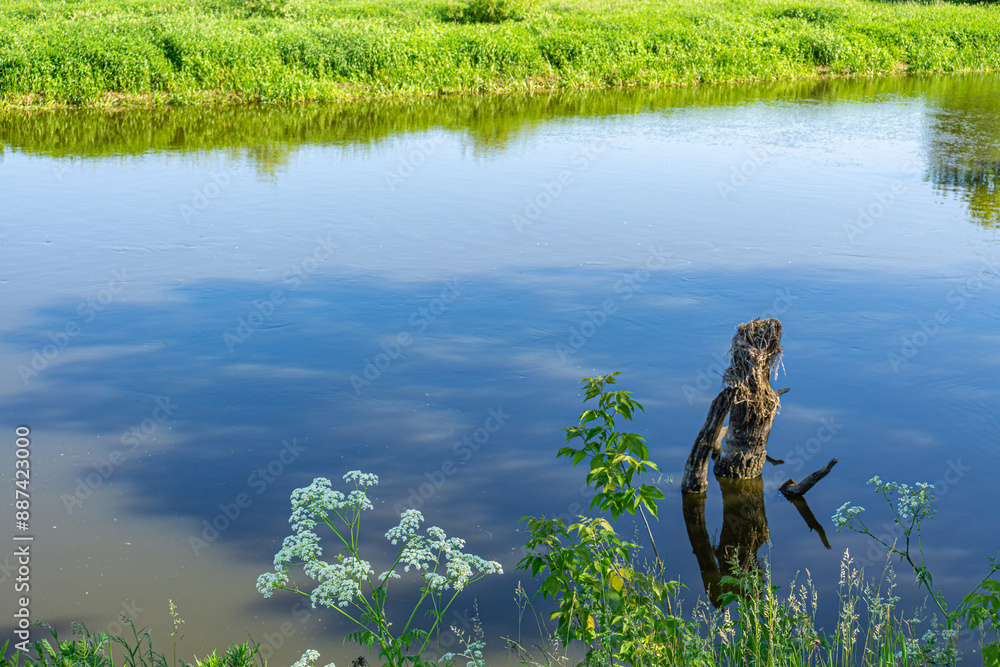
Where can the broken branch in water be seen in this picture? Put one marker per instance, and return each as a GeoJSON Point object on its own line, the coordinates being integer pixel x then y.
{"type": "Point", "coordinates": [791, 488]}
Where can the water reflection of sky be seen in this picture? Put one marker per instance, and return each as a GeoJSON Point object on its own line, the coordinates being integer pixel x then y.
{"type": "Point", "coordinates": [643, 192]}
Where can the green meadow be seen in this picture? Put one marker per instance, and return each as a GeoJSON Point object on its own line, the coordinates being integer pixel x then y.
{"type": "Point", "coordinates": [150, 52]}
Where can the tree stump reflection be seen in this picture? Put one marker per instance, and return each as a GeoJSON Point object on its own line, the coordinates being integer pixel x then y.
{"type": "Point", "coordinates": [744, 532]}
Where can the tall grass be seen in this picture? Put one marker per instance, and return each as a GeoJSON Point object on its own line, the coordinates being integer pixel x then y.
{"type": "Point", "coordinates": [766, 625]}
{"type": "Point", "coordinates": [761, 624]}
{"type": "Point", "coordinates": [100, 649]}
{"type": "Point", "coordinates": [112, 52]}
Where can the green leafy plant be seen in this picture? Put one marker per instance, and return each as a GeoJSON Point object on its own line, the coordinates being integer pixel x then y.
{"type": "Point", "coordinates": [349, 586]}
{"type": "Point", "coordinates": [91, 650]}
{"type": "Point", "coordinates": [488, 11]}
{"type": "Point", "coordinates": [97, 650]}
{"type": "Point", "coordinates": [621, 612]}
{"type": "Point", "coordinates": [269, 8]}
{"type": "Point", "coordinates": [616, 458]}
{"type": "Point", "coordinates": [911, 506]}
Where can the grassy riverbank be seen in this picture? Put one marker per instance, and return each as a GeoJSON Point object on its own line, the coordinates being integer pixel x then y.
{"type": "Point", "coordinates": [126, 52]}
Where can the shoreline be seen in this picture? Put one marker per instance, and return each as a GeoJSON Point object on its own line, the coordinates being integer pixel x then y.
{"type": "Point", "coordinates": [121, 102]}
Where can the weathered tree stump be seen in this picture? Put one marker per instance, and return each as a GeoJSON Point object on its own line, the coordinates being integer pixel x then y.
{"type": "Point", "coordinates": [706, 444]}
{"type": "Point", "coordinates": [756, 352]}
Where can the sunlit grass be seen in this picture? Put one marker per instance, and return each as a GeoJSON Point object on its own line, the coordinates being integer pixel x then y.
{"type": "Point", "coordinates": [112, 52]}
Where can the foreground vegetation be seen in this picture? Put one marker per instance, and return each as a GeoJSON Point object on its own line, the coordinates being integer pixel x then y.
{"type": "Point", "coordinates": [118, 52]}
{"type": "Point", "coordinates": [620, 611]}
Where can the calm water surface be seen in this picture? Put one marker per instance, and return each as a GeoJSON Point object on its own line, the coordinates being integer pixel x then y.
{"type": "Point", "coordinates": [217, 305]}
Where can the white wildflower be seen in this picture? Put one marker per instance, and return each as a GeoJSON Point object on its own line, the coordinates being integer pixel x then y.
{"type": "Point", "coordinates": [314, 502]}
{"type": "Point", "coordinates": [308, 658]}
{"type": "Point", "coordinates": [304, 546]}
{"type": "Point", "coordinates": [845, 513]}
{"type": "Point", "coordinates": [361, 478]}
{"type": "Point", "coordinates": [409, 523]}
{"type": "Point", "coordinates": [338, 583]}
{"type": "Point", "coordinates": [268, 582]}
{"type": "Point", "coordinates": [389, 574]}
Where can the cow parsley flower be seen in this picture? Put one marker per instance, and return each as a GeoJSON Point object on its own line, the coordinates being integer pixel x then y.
{"type": "Point", "coordinates": [416, 554]}
{"type": "Point", "coordinates": [338, 583]}
{"type": "Point", "coordinates": [915, 504]}
{"type": "Point", "coordinates": [359, 478]}
{"type": "Point", "coordinates": [304, 546]}
{"type": "Point", "coordinates": [462, 567]}
{"type": "Point", "coordinates": [846, 513]}
{"type": "Point", "coordinates": [409, 523]}
{"type": "Point", "coordinates": [342, 583]}
{"type": "Point", "coordinates": [308, 658]}
{"type": "Point", "coordinates": [268, 582]}
{"type": "Point", "coordinates": [389, 574]}
{"type": "Point", "coordinates": [358, 500]}
{"type": "Point", "coordinates": [435, 581]}
{"type": "Point", "coordinates": [313, 502]}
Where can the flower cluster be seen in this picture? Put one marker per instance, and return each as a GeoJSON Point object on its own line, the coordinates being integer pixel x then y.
{"type": "Point", "coordinates": [914, 503]}
{"type": "Point", "coordinates": [350, 581]}
{"type": "Point", "coordinates": [409, 523]}
{"type": "Point", "coordinates": [910, 504]}
{"type": "Point", "coordinates": [338, 583]}
{"type": "Point", "coordinates": [936, 646]}
{"type": "Point", "coordinates": [318, 500]}
{"type": "Point", "coordinates": [845, 514]}
{"type": "Point", "coordinates": [302, 545]}
{"type": "Point", "coordinates": [308, 658]}
{"type": "Point", "coordinates": [424, 553]}
{"type": "Point", "coordinates": [269, 582]}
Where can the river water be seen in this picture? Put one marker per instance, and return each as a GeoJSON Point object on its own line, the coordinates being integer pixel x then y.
{"type": "Point", "coordinates": [204, 309]}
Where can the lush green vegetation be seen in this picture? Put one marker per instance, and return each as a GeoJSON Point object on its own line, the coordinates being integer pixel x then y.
{"type": "Point", "coordinates": [623, 611]}
{"type": "Point", "coordinates": [113, 52]}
